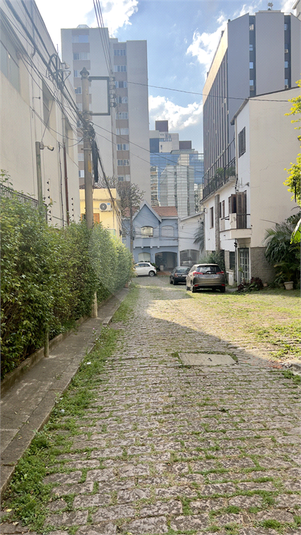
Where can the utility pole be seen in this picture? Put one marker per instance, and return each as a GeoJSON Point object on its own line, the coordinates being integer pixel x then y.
{"type": "Point", "coordinates": [87, 149]}
{"type": "Point", "coordinates": [87, 163]}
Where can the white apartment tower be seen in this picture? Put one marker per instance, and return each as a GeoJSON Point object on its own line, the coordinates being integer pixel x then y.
{"type": "Point", "coordinates": [123, 135]}
{"type": "Point", "coordinates": [257, 54]}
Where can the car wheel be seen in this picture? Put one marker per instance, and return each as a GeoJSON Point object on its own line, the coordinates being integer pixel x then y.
{"type": "Point", "coordinates": [174, 282]}
{"type": "Point", "coordinates": [187, 288]}
{"type": "Point", "coordinates": [151, 273]}
{"type": "Point", "coordinates": [170, 281]}
{"type": "Point", "coordinates": [213, 289]}
{"type": "Point", "coordinates": [223, 289]}
{"type": "Point", "coordinates": [193, 289]}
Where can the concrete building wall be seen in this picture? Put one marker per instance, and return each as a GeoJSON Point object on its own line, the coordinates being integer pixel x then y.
{"type": "Point", "coordinates": [24, 120]}
{"type": "Point", "coordinates": [138, 114]}
{"type": "Point", "coordinates": [97, 54]}
{"type": "Point", "coordinates": [271, 129]}
{"type": "Point", "coordinates": [269, 51]}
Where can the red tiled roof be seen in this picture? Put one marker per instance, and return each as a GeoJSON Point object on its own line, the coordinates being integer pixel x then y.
{"type": "Point", "coordinates": [167, 211]}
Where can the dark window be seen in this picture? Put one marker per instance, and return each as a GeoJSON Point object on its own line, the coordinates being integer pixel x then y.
{"type": "Point", "coordinates": [242, 142]}
{"type": "Point", "coordinates": [232, 260]}
{"type": "Point", "coordinates": [211, 217]}
{"type": "Point", "coordinates": [232, 204]}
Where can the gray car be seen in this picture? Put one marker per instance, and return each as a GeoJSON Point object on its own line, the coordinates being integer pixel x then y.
{"type": "Point", "coordinates": [206, 276]}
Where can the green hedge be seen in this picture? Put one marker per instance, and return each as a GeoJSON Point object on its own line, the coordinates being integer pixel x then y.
{"type": "Point", "coordinates": [49, 276]}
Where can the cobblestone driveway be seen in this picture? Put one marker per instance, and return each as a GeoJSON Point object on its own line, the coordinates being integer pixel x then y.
{"type": "Point", "coordinates": [182, 449]}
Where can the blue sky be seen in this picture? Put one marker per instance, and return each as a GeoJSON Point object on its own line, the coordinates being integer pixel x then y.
{"type": "Point", "coordinates": [181, 35]}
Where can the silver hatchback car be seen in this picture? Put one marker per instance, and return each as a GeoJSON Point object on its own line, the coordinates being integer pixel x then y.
{"type": "Point", "coordinates": [206, 276]}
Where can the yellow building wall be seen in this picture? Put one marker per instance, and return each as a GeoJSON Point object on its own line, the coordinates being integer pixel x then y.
{"type": "Point", "coordinates": [110, 218]}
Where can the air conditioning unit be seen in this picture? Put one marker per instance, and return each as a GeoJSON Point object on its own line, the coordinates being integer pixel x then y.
{"type": "Point", "coordinates": [105, 207]}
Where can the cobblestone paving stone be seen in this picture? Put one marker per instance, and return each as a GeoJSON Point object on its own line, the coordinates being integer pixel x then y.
{"type": "Point", "coordinates": [167, 448]}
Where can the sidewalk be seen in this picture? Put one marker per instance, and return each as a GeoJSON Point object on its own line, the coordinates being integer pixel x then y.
{"type": "Point", "coordinates": [26, 407]}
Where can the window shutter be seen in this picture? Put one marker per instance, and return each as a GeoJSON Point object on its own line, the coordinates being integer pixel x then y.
{"type": "Point", "coordinates": [241, 200]}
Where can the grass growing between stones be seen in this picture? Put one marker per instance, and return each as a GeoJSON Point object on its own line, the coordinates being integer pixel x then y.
{"type": "Point", "coordinates": [126, 308]}
{"type": "Point", "coordinates": [27, 497]}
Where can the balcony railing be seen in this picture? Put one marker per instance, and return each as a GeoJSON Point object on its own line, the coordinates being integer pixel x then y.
{"type": "Point", "coordinates": [221, 177]}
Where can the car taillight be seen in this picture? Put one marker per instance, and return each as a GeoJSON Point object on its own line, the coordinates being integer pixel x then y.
{"type": "Point", "coordinates": [197, 273]}
{"type": "Point", "coordinates": [220, 273]}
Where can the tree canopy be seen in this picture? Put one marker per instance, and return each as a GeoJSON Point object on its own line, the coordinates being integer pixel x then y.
{"type": "Point", "coordinates": [293, 181]}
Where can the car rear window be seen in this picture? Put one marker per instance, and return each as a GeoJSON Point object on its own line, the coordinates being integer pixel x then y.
{"type": "Point", "coordinates": [181, 270]}
{"type": "Point", "coordinates": [208, 269]}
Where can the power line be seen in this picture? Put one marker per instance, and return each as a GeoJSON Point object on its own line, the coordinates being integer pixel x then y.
{"type": "Point", "coordinates": [208, 95]}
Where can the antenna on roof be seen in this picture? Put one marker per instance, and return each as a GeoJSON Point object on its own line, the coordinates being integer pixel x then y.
{"type": "Point", "coordinates": [270, 6]}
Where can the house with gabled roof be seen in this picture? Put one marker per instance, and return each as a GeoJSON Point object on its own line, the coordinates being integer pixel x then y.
{"type": "Point", "coordinates": [155, 235]}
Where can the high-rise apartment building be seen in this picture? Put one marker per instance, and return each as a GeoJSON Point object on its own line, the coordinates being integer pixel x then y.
{"type": "Point", "coordinates": [175, 169]}
{"type": "Point", "coordinates": [123, 135]}
{"type": "Point", "coordinates": [257, 54]}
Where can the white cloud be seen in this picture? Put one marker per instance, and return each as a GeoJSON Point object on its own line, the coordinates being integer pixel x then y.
{"type": "Point", "coordinates": [204, 44]}
{"type": "Point", "coordinates": [287, 6]}
{"type": "Point", "coordinates": [117, 13]}
{"type": "Point", "coordinates": [58, 14]}
{"type": "Point", "coordinates": [178, 117]}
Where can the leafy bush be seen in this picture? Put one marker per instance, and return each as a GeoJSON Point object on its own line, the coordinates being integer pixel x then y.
{"type": "Point", "coordinates": [281, 253]}
{"type": "Point", "coordinates": [49, 276]}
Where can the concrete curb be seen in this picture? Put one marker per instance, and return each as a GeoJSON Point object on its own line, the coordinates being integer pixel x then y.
{"type": "Point", "coordinates": [28, 403]}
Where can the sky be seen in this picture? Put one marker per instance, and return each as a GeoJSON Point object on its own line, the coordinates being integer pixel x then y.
{"type": "Point", "coordinates": [181, 35]}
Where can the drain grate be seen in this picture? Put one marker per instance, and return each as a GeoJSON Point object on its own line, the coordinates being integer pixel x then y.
{"type": "Point", "coordinates": [206, 359]}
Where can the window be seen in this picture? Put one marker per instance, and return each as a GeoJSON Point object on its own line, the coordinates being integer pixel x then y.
{"type": "Point", "coordinates": [78, 90]}
{"type": "Point", "coordinates": [251, 47]}
{"type": "Point", "coordinates": [122, 131]}
{"type": "Point", "coordinates": [251, 65]}
{"type": "Point", "coordinates": [251, 83]}
{"type": "Point", "coordinates": [9, 63]}
{"type": "Point", "coordinates": [222, 210]}
{"type": "Point", "coordinates": [122, 115]}
{"type": "Point", "coordinates": [80, 38]}
{"type": "Point", "coordinates": [251, 27]}
{"type": "Point", "coordinates": [285, 26]}
{"type": "Point", "coordinates": [81, 55]}
{"type": "Point", "coordinates": [120, 178]}
{"type": "Point", "coordinates": [286, 64]}
{"type": "Point", "coordinates": [123, 146]}
{"type": "Point", "coordinates": [211, 217]}
{"type": "Point", "coordinates": [120, 52]}
{"type": "Point", "coordinates": [76, 74]}
{"type": "Point", "coordinates": [123, 162]}
{"type": "Point", "coordinates": [242, 142]}
{"type": "Point", "coordinates": [121, 84]}
{"type": "Point", "coordinates": [232, 260]}
{"type": "Point", "coordinates": [119, 68]}
{"type": "Point", "coordinates": [244, 264]}
{"type": "Point", "coordinates": [147, 232]}
{"type": "Point", "coordinates": [144, 256]}
{"type": "Point", "coordinates": [81, 174]}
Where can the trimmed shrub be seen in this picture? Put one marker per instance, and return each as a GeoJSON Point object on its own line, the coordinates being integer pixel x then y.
{"type": "Point", "coordinates": [49, 276]}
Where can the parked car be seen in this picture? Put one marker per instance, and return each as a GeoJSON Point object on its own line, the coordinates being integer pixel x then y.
{"type": "Point", "coordinates": [206, 276]}
{"type": "Point", "coordinates": [178, 274]}
{"type": "Point", "coordinates": [145, 268]}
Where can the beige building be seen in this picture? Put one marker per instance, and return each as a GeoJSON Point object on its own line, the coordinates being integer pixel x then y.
{"type": "Point", "coordinates": [243, 206]}
{"type": "Point", "coordinates": [106, 209]}
{"type": "Point", "coordinates": [119, 103]}
{"type": "Point", "coordinates": [37, 120]}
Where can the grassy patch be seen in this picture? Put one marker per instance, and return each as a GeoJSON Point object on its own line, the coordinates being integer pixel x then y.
{"type": "Point", "coordinates": [127, 305]}
{"type": "Point", "coordinates": [27, 495]}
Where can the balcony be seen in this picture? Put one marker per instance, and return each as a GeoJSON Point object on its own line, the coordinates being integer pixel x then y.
{"type": "Point", "coordinates": [237, 226]}
{"type": "Point", "coordinates": [221, 177]}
